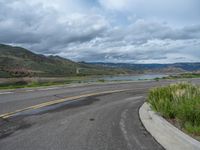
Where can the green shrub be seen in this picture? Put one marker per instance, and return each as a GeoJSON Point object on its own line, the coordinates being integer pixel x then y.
{"type": "Point", "coordinates": [179, 101]}
{"type": "Point", "coordinates": [101, 80]}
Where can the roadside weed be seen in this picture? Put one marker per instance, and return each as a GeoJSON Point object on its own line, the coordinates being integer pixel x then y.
{"type": "Point", "coordinates": [179, 101]}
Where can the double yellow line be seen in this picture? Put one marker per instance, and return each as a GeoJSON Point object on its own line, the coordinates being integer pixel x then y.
{"type": "Point", "coordinates": [10, 114]}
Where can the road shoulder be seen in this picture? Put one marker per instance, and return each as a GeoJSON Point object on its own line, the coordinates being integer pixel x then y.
{"type": "Point", "coordinates": [165, 133]}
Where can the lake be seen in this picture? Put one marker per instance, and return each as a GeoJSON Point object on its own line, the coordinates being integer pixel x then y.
{"type": "Point", "coordinates": [130, 77]}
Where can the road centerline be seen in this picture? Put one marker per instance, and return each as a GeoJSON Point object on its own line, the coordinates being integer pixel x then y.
{"type": "Point", "coordinates": [57, 101]}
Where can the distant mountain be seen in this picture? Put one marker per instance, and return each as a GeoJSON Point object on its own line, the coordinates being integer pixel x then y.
{"type": "Point", "coordinates": [157, 68]}
{"type": "Point", "coordinates": [20, 62]}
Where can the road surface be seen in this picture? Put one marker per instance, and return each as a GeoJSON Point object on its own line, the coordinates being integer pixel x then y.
{"type": "Point", "coordinates": [98, 121]}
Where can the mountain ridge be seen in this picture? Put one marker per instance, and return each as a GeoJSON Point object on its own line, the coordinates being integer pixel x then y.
{"type": "Point", "coordinates": [176, 67]}
{"type": "Point", "coordinates": [20, 62]}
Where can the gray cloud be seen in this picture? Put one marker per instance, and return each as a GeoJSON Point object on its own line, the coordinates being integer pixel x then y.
{"type": "Point", "coordinates": [22, 23]}
{"type": "Point", "coordinates": [86, 31]}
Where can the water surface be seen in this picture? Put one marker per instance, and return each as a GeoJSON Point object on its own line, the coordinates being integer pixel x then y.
{"type": "Point", "coordinates": [131, 77]}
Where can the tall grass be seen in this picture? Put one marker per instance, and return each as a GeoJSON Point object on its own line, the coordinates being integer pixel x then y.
{"type": "Point", "coordinates": [179, 101]}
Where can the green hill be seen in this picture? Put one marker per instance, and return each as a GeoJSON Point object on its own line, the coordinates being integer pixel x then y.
{"type": "Point", "coordinates": [20, 62]}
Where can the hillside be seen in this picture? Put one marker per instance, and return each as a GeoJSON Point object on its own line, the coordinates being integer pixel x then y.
{"type": "Point", "coordinates": [156, 68]}
{"type": "Point", "coordinates": [20, 62]}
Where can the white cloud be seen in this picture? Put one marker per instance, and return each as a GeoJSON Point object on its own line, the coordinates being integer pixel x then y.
{"type": "Point", "coordinates": [121, 31]}
{"type": "Point", "coordinates": [115, 4]}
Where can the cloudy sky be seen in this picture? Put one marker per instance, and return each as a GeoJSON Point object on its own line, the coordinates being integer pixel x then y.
{"type": "Point", "coordinates": [134, 31]}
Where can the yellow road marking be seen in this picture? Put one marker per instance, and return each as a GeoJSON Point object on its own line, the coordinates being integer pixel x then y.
{"type": "Point", "coordinates": [10, 114]}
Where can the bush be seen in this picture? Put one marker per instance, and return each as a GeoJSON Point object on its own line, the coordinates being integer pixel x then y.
{"type": "Point", "coordinates": [178, 101]}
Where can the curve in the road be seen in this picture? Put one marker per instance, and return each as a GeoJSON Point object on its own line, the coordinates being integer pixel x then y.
{"type": "Point", "coordinates": [98, 122]}
{"type": "Point", "coordinates": [54, 102]}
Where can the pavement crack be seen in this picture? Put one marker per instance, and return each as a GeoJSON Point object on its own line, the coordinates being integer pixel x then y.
{"type": "Point", "coordinates": [92, 119]}
{"type": "Point", "coordinates": [123, 129]}
{"type": "Point", "coordinates": [9, 126]}
{"type": "Point", "coordinates": [60, 97]}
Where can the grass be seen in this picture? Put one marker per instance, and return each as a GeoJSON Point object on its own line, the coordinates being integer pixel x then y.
{"type": "Point", "coordinates": [32, 82]}
{"type": "Point", "coordinates": [179, 102]}
{"type": "Point", "coordinates": [183, 75]}
{"type": "Point", "coordinates": [101, 80]}
{"type": "Point", "coordinates": [14, 83]}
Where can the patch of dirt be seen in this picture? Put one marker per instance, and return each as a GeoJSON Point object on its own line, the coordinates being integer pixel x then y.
{"type": "Point", "coordinates": [177, 124]}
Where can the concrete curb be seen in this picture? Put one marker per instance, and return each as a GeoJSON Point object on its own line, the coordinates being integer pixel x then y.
{"type": "Point", "coordinates": [165, 133]}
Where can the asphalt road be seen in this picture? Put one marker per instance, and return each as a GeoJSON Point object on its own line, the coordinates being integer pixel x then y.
{"type": "Point", "coordinates": [98, 122]}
